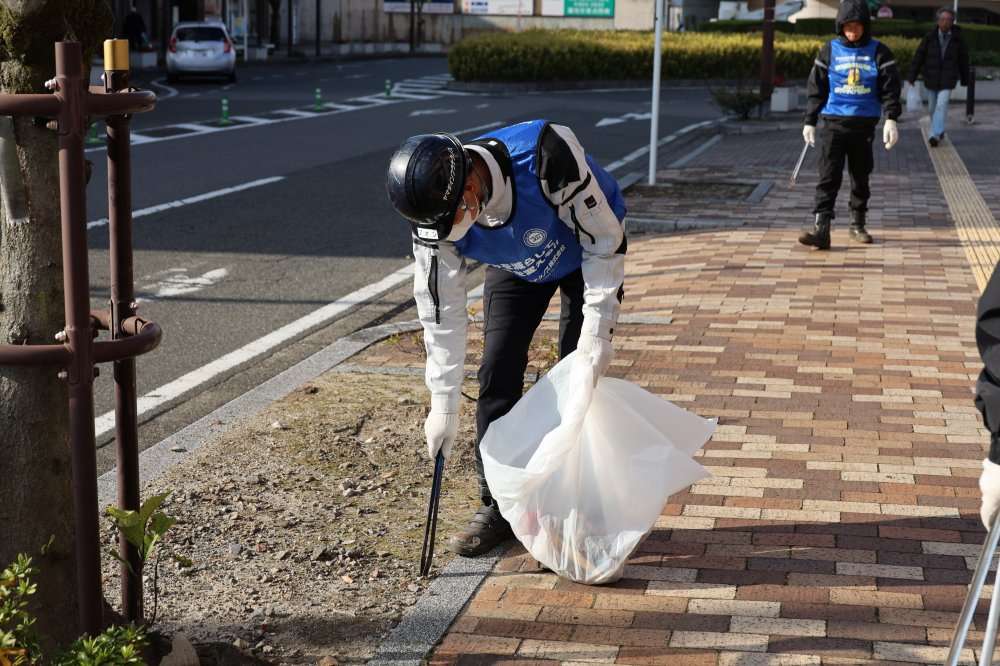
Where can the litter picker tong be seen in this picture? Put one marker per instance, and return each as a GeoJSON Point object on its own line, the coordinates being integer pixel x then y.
{"type": "Point", "coordinates": [427, 552]}
{"type": "Point", "coordinates": [972, 600]}
{"type": "Point", "coordinates": [798, 165]}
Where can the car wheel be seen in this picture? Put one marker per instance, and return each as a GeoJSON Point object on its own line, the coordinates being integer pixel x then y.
{"type": "Point", "coordinates": [232, 76]}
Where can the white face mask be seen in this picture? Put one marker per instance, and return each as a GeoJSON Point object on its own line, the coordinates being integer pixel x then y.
{"type": "Point", "coordinates": [462, 228]}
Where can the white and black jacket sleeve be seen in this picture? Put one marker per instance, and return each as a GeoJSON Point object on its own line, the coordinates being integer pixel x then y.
{"type": "Point", "coordinates": [440, 292]}
{"type": "Point", "coordinates": [571, 187]}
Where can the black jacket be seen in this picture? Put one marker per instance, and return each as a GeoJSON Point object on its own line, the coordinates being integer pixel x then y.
{"type": "Point", "coordinates": [889, 85]}
{"type": "Point", "coordinates": [988, 340]}
{"type": "Point", "coordinates": [941, 71]}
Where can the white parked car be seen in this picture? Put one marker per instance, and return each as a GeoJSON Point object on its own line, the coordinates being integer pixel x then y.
{"type": "Point", "coordinates": [201, 49]}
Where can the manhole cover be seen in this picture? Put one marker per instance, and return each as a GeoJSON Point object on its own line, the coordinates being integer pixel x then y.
{"type": "Point", "coordinates": [691, 190]}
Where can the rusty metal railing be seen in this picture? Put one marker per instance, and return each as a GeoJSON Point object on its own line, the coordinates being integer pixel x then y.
{"type": "Point", "coordinates": [71, 103]}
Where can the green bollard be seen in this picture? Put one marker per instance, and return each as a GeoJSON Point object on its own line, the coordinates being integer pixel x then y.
{"type": "Point", "coordinates": [224, 120]}
{"type": "Point", "coordinates": [92, 138]}
{"type": "Point", "coordinates": [388, 88]}
{"type": "Point", "coordinates": [319, 100]}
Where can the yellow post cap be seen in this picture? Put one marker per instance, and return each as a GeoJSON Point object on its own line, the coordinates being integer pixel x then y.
{"type": "Point", "coordinates": [116, 55]}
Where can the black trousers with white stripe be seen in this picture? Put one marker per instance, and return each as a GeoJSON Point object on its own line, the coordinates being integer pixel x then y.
{"type": "Point", "coordinates": [512, 311]}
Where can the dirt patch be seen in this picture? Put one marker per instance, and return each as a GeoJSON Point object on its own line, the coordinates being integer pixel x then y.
{"type": "Point", "coordinates": [304, 523]}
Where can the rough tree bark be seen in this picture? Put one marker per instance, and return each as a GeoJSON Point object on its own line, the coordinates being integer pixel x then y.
{"type": "Point", "coordinates": [35, 481]}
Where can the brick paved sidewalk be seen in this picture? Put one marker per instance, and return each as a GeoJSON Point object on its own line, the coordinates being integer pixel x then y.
{"type": "Point", "coordinates": [841, 524]}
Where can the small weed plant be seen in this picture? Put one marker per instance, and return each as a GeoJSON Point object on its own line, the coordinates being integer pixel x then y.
{"type": "Point", "coordinates": [117, 646]}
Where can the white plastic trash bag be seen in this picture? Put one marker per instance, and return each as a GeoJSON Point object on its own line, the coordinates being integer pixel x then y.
{"type": "Point", "coordinates": [582, 474]}
{"type": "Point", "coordinates": [914, 104]}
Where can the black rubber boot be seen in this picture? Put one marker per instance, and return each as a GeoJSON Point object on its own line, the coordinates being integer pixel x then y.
{"type": "Point", "coordinates": [485, 531]}
{"type": "Point", "coordinates": [818, 234]}
{"type": "Point", "coordinates": [857, 230]}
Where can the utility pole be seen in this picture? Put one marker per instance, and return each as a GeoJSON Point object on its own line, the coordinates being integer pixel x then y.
{"type": "Point", "coordinates": [654, 120]}
{"type": "Point", "coordinates": [767, 60]}
{"type": "Point", "coordinates": [413, 26]}
{"type": "Point", "coordinates": [317, 26]}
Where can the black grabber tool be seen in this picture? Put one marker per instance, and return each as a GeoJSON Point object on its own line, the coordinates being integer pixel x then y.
{"type": "Point", "coordinates": [798, 165]}
{"type": "Point", "coordinates": [972, 600]}
{"type": "Point", "coordinates": [427, 552]}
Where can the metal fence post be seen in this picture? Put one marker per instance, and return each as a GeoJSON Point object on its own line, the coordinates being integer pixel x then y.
{"type": "Point", "coordinates": [78, 352]}
{"type": "Point", "coordinates": [117, 79]}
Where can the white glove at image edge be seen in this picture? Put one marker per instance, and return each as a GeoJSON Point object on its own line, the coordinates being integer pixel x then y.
{"type": "Point", "coordinates": [890, 134]}
{"type": "Point", "coordinates": [989, 486]}
{"type": "Point", "coordinates": [441, 430]}
{"type": "Point", "coordinates": [598, 351]}
{"type": "Point", "coordinates": [809, 134]}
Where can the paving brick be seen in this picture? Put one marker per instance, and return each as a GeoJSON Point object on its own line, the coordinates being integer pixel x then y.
{"type": "Point", "coordinates": [499, 609]}
{"type": "Point", "coordinates": [778, 625]}
{"type": "Point", "coordinates": [586, 616]}
{"type": "Point", "coordinates": [719, 640]}
{"type": "Point", "coordinates": [871, 598]}
{"type": "Point", "coordinates": [767, 659]}
{"type": "Point", "coordinates": [515, 629]}
{"type": "Point", "coordinates": [658, 656]}
{"type": "Point", "coordinates": [623, 636]}
{"type": "Point", "coordinates": [567, 651]}
{"type": "Point", "coordinates": [549, 597]}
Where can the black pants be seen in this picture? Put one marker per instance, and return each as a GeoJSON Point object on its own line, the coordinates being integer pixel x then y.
{"type": "Point", "coordinates": [839, 143]}
{"type": "Point", "coordinates": [512, 310]}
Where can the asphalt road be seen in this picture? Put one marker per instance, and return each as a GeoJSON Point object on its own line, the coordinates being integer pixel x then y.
{"type": "Point", "coordinates": [292, 213]}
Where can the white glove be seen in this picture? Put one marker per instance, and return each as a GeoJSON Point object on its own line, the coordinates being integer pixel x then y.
{"type": "Point", "coordinates": [809, 134]}
{"type": "Point", "coordinates": [890, 134]}
{"type": "Point", "coordinates": [598, 351]}
{"type": "Point", "coordinates": [441, 430]}
{"type": "Point", "coordinates": [989, 486]}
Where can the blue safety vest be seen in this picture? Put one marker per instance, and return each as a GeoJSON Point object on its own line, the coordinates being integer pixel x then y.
{"type": "Point", "coordinates": [853, 78]}
{"type": "Point", "coordinates": [534, 244]}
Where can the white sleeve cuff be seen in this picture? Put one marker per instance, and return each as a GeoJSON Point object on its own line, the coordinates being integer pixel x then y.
{"type": "Point", "coordinates": [446, 403]}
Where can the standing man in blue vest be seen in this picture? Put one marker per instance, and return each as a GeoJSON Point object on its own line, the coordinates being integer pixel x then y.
{"type": "Point", "coordinates": [529, 202]}
{"type": "Point", "coordinates": [853, 83]}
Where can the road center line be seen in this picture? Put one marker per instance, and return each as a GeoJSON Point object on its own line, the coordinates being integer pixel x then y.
{"type": "Point", "coordinates": [106, 422]}
{"type": "Point", "coordinates": [198, 198]}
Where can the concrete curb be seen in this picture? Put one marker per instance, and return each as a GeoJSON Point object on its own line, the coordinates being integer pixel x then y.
{"type": "Point", "coordinates": [426, 622]}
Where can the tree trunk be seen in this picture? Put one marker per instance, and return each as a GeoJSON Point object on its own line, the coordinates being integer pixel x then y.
{"type": "Point", "coordinates": [36, 506]}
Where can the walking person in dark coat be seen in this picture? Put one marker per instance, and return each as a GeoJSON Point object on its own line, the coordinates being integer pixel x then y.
{"type": "Point", "coordinates": [853, 83]}
{"type": "Point", "coordinates": [134, 29]}
{"type": "Point", "coordinates": [943, 60]}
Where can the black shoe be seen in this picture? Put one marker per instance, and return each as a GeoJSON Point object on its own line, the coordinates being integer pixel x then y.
{"type": "Point", "coordinates": [818, 235]}
{"type": "Point", "coordinates": [485, 531]}
{"type": "Point", "coordinates": [860, 235]}
{"type": "Point", "coordinates": [933, 141]}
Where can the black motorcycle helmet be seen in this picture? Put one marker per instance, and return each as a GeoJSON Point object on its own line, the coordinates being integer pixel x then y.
{"type": "Point", "coordinates": [426, 180]}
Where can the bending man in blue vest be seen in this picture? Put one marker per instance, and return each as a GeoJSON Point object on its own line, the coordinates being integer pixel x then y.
{"type": "Point", "coordinates": [543, 215]}
{"type": "Point", "coordinates": [854, 81]}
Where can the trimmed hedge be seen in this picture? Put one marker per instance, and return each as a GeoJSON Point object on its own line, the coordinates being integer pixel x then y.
{"type": "Point", "coordinates": [977, 37]}
{"type": "Point", "coordinates": [574, 55]}
{"type": "Point", "coordinates": [742, 25]}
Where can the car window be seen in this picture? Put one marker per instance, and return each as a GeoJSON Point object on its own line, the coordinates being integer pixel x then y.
{"type": "Point", "coordinates": [200, 35]}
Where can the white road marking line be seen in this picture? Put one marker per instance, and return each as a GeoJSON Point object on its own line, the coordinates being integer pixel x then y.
{"type": "Point", "coordinates": [177, 203]}
{"type": "Point", "coordinates": [180, 284]}
{"type": "Point", "coordinates": [172, 390]}
{"type": "Point", "coordinates": [636, 154]}
{"type": "Point", "coordinates": [197, 129]}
